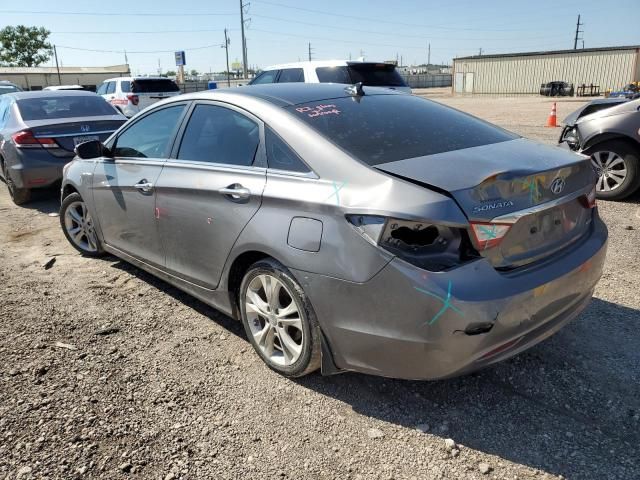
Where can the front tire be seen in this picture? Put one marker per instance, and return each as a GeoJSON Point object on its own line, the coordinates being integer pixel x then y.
{"type": "Point", "coordinates": [617, 164]}
{"type": "Point", "coordinates": [78, 226]}
{"type": "Point", "coordinates": [279, 320]}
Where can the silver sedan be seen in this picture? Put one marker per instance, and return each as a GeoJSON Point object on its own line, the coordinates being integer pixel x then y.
{"type": "Point", "coordinates": [348, 228]}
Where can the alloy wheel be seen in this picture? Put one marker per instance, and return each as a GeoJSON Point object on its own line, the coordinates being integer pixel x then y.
{"type": "Point", "coordinates": [611, 170]}
{"type": "Point", "coordinates": [79, 226]}
{"type": "Point", "coordinates": [274, 320]}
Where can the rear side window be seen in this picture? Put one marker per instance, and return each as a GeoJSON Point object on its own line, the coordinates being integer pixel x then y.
{"type": "Point", "coordinates": [219, 135]}
{"type": "Point", "coordinates": [125, 86]}
{"type": "Point", "coordinates": [265, 77]}
{"type": "Point", "coordinates": [291, 75]}
{"type": "Point", "coordinates": [333, 75]}
{"type": "Point", "coordinates": [63, 107]}
{"type": "Point", "coordinates": [151, 136]}
{"type": "Point", "coordinates": [280, 156]}
{"type": "Point", "coordinates": [378, 129]}
{"type": "Point", "coordinates": [111, 87]}
{"type": "Point", "coordinates": [8, 89]}
{"type": "Point", "coordinates": [161, 85]}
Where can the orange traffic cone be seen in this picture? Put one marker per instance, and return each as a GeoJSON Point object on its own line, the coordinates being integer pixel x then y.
{"type": "Point", "coordinates": [553, 118]}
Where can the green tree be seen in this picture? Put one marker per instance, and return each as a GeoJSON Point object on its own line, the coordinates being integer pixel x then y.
{"type": "Point", "coordinates": [170, 73]}
{"type": "Point", "coordinates": [23, 46]}
{"type": "Point", "coordinates": [194, 73]}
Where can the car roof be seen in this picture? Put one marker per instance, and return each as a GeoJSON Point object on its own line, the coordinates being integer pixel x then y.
{"type": "Point", "coordinates": [317, 63]}
{"type": "Point", "coordinates": [114, 79]}
{"type": "Point", "coordinates": [50, 93]}
{"type": "Point", "coordinates": [287, 94]}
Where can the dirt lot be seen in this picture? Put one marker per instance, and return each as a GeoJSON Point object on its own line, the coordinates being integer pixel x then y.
{"type": "Point", "coordinates": [106, 372]}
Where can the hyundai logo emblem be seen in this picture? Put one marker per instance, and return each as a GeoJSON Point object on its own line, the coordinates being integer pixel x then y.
{"type": "Point", "coordinates": [557, 185]}
{"type": "Point", "coordinates": [85, 128]}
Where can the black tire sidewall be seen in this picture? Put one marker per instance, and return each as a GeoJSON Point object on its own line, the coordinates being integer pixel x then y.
{"type": "Point", "coordinates": [631, 159]}
{"type": "Point", "coordinates": [76, 197]}
{"type": "Point", "coordinates": [309, 358]}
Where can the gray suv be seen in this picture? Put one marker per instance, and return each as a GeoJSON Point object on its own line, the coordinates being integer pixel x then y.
{"type": "Point", "coordinates": [608, 130]}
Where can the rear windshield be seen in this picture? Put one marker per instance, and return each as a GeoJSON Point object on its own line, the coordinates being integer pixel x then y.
{"type": "Point", "coordinates": [45, 108]}
{"type": "Point", "coordinates": [154, 86]}
{"type": "Point", "coordinates": [8, 89]}
{"type": "Point", "coordinates": [371, 74]}
{"type": "Point", "coordinates": [378, 129]}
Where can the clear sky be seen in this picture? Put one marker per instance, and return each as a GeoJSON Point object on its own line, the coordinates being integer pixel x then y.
{"type": "Point", "coordinates": [279, 30]}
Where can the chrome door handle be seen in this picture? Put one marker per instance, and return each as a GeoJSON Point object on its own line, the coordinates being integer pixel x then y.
{"type": "Point", "coordinates": [144, 186]}
{"type": "Point", "coordinates": [236, 192]}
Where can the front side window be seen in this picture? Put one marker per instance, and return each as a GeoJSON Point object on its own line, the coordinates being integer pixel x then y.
{"type": "Point", "coordinates": [219, 135]}
{"type": "Point", "coordinates": [280, 156]}
{"type": "Point", "coordinates": [151, 136]}
{"type": "Point", "coordinates": [111, 87]}
{"type": "Point", "coordinates": [265, 77]}
{"type": "Point", "coordinates": [291, 75]}
{"type": "Point", "coordinates": [102, 90]}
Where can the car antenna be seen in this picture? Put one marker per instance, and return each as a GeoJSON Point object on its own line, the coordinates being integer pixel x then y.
{"type": "Point", "coordinates": [355, 90]}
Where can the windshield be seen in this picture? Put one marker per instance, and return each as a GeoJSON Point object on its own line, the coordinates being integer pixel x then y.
{"type": "Point", "coordinates": [8, 89]}
{"type": "Point", "coordinates": [370, 74]}
{"type": "Point", "coordinates": [378, 129]}
{"type": "Point", "coordinates": [64, 107]}
{"type": "Point", "coordinates": [154, 86]}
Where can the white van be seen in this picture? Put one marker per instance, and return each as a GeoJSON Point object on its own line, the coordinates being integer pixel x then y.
{"type": "Point", "coordinates": [372, 74]}
{"type": "Point", "coordinates": [133, 94]}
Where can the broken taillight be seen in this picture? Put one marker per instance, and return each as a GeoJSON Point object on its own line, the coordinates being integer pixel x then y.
{"type": "Point", "coordinates": [589, 200]}
{"type": "Point", "coordinates": [487, 235]}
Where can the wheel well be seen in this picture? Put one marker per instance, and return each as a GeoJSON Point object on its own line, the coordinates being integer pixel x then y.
{"type": "Point", "coordinates": [68, 190]}
{"type": "Point", "coordinates": [605, 137]}
{"type": "Point", "coordinates": [236, 273]}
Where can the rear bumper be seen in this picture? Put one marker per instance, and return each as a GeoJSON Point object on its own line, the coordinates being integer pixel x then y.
{"type": "Point", "coordinates": [37, 169]}
{"type": "Point", "coordinates": [396, 324]}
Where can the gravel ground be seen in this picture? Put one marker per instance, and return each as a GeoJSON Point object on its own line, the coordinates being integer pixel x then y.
{"type": "Point", "coordinates": [107, 372]}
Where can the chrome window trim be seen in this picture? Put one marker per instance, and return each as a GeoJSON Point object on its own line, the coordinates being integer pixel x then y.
{"type": "Point", "coordinates": [219, 167]}
{"type": "Point", "coordinates": [79, 134]}
{"type": "Point", "coordinates": [515, 216]}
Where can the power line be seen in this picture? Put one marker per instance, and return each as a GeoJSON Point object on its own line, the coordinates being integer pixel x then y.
{"type": "Point", "coordinates": [112, 14]}
{"type": "Point", "coordinates": [140, 51]}
{"type": "Point", "coordinates": [123, 32]}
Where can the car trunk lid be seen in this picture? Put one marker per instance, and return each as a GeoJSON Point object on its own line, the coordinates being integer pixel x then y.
{"type": "Point", "coordinates": [534, 193]}
{"type": "Point", "coordinates": [74, 131]}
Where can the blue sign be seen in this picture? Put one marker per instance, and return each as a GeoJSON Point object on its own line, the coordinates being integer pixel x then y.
{"type": "Point", "coordinates": [181, 59]}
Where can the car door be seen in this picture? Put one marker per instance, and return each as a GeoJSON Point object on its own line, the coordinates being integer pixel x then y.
{"type": "Point", "coordinates": [124, 186]}
{"type": "Point", "coordinates": [209, 190]}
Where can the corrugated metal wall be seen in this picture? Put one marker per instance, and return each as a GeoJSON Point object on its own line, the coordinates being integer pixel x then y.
{"type": "Point", "coordinates": [610, 69]}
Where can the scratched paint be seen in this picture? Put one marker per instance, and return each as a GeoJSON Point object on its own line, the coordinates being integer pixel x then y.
{"type": "Point", "coordinates": [446, 303]}
{"type": "Point", "coordinates": [336, 192]}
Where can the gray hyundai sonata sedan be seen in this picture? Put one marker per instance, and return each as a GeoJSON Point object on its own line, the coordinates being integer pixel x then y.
{"type": "Point", "coordinates": [348, 228]}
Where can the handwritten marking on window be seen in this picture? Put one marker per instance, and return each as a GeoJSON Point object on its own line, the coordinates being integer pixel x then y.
{"type": "Point", "coordinates": [319, 110]}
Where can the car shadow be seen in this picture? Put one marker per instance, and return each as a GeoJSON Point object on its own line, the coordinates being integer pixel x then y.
{"type": "Point", "coordinates": [557, 407]}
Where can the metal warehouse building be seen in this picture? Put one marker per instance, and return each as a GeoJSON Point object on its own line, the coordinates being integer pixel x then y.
{"type": "Point", "coordinates": [36, 78]}
{"type": "Point", "coordinates": [516, 73]}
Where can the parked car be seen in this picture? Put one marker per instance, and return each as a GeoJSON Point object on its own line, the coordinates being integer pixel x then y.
{"type": "Point", "coordinates": [335, 223]}
{"type": "Point", "coordinates": [64, 87]}
{"type": "Point", "coordinates": [608, 130]}
{"type": "Point", "coordinates": [631, 91]}
{"type": "Point", "coordinates": [8, 87]}
{"type": "Point", "coordinates": [373, 74]}
{"type": "Point", "coordinates": [38, 133]}
{"type": "Point", "coordinates": [557, 89]}
{"type": "Point", "coordinates": [131, 95]}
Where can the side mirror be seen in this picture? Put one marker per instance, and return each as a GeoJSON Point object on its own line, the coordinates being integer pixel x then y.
{"type": "Point", "coordinates": [92, 149]}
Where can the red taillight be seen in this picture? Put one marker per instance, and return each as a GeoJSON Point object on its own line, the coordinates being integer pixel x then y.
{"type": "Point", "coordinates": [487, 235]}
{"type": "Point", "coordinates": [133, 99]}
{"type": "Point", "coordinates": [589, 200]}
{"type": "Point", "coordinates": [26, 139]}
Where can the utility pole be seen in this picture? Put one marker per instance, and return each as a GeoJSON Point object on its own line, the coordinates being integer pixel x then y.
{"type": "Point", "coordinates": [159, 68]}
{"type": "Point", "coordinates": [244, 40]}
{"type": "Point", "coordinates": [126, 60]}
{"type": "Point", "coordinates": [309, 51]}
{"type": "Point", "coordinates": [55, 53]}
{"type": "Point", "coordinates": [578, 32]}
{"type": "Point", "coordinates": [226, 48]}
{"type": "Point", "coordinates": [428, 54]}
{"type": "Point", "coordinates": [480, 52]}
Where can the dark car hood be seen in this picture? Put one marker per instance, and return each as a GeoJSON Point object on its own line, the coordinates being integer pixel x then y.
{"type": "Point", "coordinates": [497, 179]}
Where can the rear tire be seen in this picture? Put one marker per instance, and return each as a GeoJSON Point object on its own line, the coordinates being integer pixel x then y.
{"type": "Point", "coordinates": [78, 226]}
{"type": "Point", "coordinates": [20, 196]}
{"type": "Point", "coordinates": [282, 326]}
{"type": "Point", "coordinates": [617, 164]}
